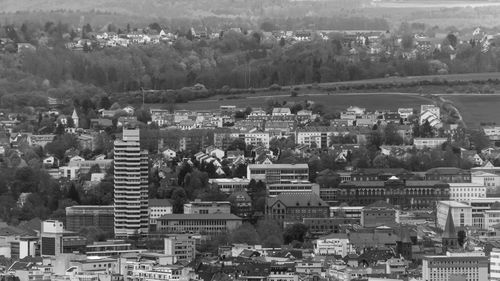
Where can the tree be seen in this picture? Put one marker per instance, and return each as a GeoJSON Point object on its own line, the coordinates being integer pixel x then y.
{"type": "Point", "coordinates": [391, 135]}
{"type": "Point", "coordinates": [246, 233]}
{"type": "Point", "coordinates": [270, 233]}
{"type": "Point", "coordinates": [295, 232]}
{"type": "Point", "coordinates": [179, 197]}
{"type": "Point", "coordinates": [407, 41]}
{"type": "Point", "coordinates": [461, 237]}
{"type": "Point", "coordinates": [452, 40]}
{"type": "Point", "coordinates": [73, 194]}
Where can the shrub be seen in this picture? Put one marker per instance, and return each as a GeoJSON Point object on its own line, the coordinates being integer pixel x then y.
{"type": "Point", "coordinates": [275, 87]}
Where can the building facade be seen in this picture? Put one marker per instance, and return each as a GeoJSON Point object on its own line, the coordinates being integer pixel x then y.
{"type": "Point", "coordinates": [210, 224]}
{"type": "Point", "coordinates": [131, 185]}
{"type": "Point", "coordinates": [294, 207]}
{"type": "Point", "coordinates": [471, 266]}
{"type": "Point", "coordinates": [465, 192]}
{"type": "Point", "coordinates": [207, 207]}
{"type": "Point", "coordinates": [407, 194]}
{"type": "Point", "coordinates": [277, 173]}
{"type": "Point", "coordinates": [78, 217]}
{"type": "Point", "coordinates": [461, 213]}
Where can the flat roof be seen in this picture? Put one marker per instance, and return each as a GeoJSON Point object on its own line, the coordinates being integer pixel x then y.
{"type": "Point", "coordinates": [278, 166]}
{"type": "Point", "coordinates": [454, 204]}
{"type": "Point", "coordinates": [217, 216]}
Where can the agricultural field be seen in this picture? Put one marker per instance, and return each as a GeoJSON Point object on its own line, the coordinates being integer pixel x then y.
{"type": "Point", "coordinates": [332, 102]}
{"type": "Point", "coordinates": [476, 109]}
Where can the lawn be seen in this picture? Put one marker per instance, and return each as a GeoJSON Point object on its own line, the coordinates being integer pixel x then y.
{"type": "Point", "coordinates": [332, 102]}
{"type": "Point", "coordinates": [477, 108]}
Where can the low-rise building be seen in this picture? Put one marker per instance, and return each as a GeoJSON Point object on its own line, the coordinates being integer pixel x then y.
{"type": "Point", "coordinates": [207, 207]}
{"type": "Point", "coordinates": [228, 186]}
{"type": "Point", "coordinates": [158, 208]}
{"type": "Point", "coordinates": [210, 224]}
{"type": "Point", "coordinates": [468, 265]}
{"type": "Point", "coordinates": [81, 216]}
{"type": "Point", "coordinates": [333, 244]}
{"type": "Point", "coordinates": [277, 173]}
{"type": "Point", "coordinates": [421, 143]}
{"type": "Point", "coordinates": [379, 213]}
{"type": "Point", "coordinates": [294, 207]}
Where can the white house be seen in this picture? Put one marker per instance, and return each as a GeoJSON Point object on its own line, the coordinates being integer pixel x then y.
{"type": "Point", "coordinates": [333, 244]}
{"type": "Point", "coordinates": [217, 153]}
{"type": "Point", "coordinates": [129, 109]}
{"type": "Point", "coordinates": [169, 153]}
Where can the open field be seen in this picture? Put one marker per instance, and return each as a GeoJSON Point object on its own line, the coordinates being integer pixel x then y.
{"type": "Point", "coordinates": [477, 108]}
{"type": "Point", "coordinates": [332, 102]}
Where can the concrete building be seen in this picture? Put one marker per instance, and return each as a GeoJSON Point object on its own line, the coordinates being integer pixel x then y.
{"type": "Point", "coordinates": [158, 208]}
{"type": "Point", "coordinates": [354, 212]}
{"type": "Point", "coordinates": [495, 264]}
{"type": "Point", "coordinates": [293, 186]}
{"type": "Point", "coordinates": [492, 216]}
{"type": "Point", "coordinates": [461, 213]}
{"type": "Point", "coordinates": [379, 213]}
{"type": "Point", "coordinates": [465, 192]}
{"type": "Point", "coordinates": [228, 186]}
{"type": "Point", "coordinates": [78, 217]}
{"type": "Point", "coordinates": [421, 143]}
{"type": "Point", "coordinates": [207, 207]}
{"type": "Point", "coordinates": [51, 238]}
{"type": "Point", "coordinates": [277, 173]}
{"type": "Point", "coordinates": [180, 248]}
{"type": "Point", "coordinates": [473, 266]}
{"type": "Point", "coordinates": [210, 224]}
{"type": "Point", "coordinates": [131, 185]}
{"type": "Point", "coordinates": [333, 244]}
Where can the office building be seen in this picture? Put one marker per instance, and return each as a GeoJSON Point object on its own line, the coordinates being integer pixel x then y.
{"type": "Point", "coordinates": [158, 208]}
{"type": "Point", "coordinates": [207, 207]}
{"type": "Point", "coordinates": [180, 248]}
{"type": "Point", "coordinates": [495, 264]}
{"type": "Point", "coordinates": [23, 247]}
{"type": "Point", "coordinates": [111, 248]}
{"type": "Point", "coordinates": [228, 186]}
{"type": "Point", "coordinates": [210, 224]}
{"type": "Point", "coordinates": [277, 173]}
{"type": "Point", "coordinates": [465, 192]}
{"type": "Point", "coordinates": [131, 185]}
{"type": "Point", "coordinates": [293, 186]}
{"type": "Point", "coordinates": [333, 244]}
{"type": "Point", "coordinates": [51, 238]}
{"type": "Point", "coordinates": [461, 213]}
{"type": "Point", "coordinates": [78, 217]}
{"type": "Point", "coordinates": [492, 216]}
{"type": "Point", "coordinates": [473, 266]}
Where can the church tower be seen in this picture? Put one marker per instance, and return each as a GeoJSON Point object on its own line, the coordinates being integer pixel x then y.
{"type": "Point", "coordinates": [404, 244]}
{"type": "Point", "coordinates": [75, 118]}
{"type": "Point", "coordinates": [449, 238]}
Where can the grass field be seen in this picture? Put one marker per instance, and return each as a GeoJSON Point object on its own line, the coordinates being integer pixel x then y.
{"type": "Point", "coordinates": [477, 108]}
{"type": "Point", "coordinates": [333, 102]}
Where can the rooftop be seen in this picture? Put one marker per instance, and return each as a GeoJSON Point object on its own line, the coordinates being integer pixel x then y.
{"type": "Point", "coordinates": [216, 216]}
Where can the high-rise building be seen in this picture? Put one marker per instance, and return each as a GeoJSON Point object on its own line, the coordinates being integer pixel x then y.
{"type": "Point", "coordinates": [131, 185]}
